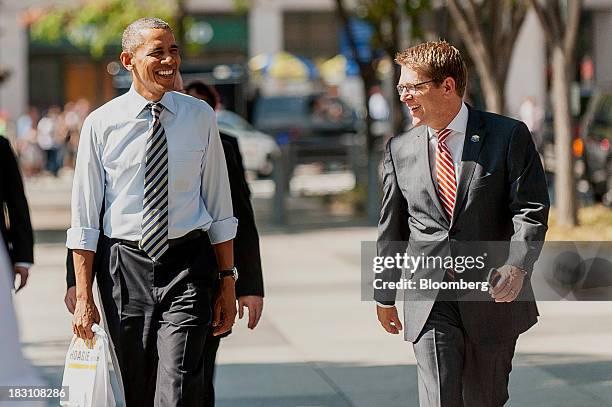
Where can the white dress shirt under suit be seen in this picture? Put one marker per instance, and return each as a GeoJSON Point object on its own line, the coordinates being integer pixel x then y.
{"type": "Point", "coordinates": [111, 167]}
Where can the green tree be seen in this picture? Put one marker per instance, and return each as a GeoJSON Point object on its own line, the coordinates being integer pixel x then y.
{"type": "Point", "coordinates": [97, 24]}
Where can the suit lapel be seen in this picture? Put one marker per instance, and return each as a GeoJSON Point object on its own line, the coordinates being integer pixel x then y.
{"type": "Point", "coordinates": [425, 170]}
{"type": "Point", "coordinates": [474, 140]}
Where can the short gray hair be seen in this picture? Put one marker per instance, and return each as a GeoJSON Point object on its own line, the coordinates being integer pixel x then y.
{"type": "Point", "coordinates": [131, 35]}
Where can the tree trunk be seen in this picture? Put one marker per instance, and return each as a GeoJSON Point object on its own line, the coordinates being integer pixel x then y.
{"type": "Point", "coordinates": [493, 93]}
{"type": "Point", "coordinates": [565, 185]}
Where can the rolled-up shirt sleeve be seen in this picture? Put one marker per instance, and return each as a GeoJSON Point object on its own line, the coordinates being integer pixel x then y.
{"type": "Point", "coordinates": [87, 192]}
{"type": "Point", "coordinates": [216, 190]}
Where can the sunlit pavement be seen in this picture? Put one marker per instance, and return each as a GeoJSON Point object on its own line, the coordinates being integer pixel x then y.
{"type": "Point", "coordinates": [318, 344]}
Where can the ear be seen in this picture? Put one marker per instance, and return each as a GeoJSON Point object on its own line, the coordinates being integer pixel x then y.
{"type": "Point", "coordinates": [126, 60]}
{"type": "Point", "coordinates": [449, 85]}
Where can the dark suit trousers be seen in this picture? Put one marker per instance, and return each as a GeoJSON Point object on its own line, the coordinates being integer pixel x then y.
{"type": "Point", "coordinates": [210, 355]}
{"type": "Point", "coordinates": [455, 372]}
{"type": "Point", "coordinates": [158, 314]}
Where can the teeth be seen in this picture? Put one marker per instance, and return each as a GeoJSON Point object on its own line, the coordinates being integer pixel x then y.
{"type": "Point", "coordinates": [170, 72]}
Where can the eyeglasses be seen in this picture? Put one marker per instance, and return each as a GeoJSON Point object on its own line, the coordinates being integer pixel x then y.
{"type": "Point", "coordinates": [410, 88]}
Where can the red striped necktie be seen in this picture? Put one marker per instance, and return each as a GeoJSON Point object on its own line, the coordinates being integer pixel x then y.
{"type": "Point", "coordinates": [445, 173]}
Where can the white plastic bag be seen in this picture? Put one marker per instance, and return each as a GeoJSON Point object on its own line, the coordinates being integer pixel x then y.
{"type": "Point", "coordinates": [86, 372]}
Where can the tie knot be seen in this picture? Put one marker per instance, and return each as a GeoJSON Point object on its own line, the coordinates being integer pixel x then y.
{"type": "Point", "coordinates": [156, 109]}
{"type": "Point", "coordinates": [443, 135]}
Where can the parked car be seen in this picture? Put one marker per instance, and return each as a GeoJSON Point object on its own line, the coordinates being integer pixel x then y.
{"type": "Point", "coordinates": [258, 149]}
{"type": "Point", "coordinates": [596, 131]}
{"type": "Point", "coordinates": [591, 147]}
{"type": "Point", "coordinates": [318, 128]}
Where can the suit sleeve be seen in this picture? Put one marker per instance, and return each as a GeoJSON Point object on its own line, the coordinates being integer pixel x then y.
{"type": "Point", "coordinates": [247, 257]}
{"type": "Point", "coordinates": [393, 232]}
{"type": "Point", "coordinates": [529, 201]}
{"type": "Point", "coordinates": [19, 230]}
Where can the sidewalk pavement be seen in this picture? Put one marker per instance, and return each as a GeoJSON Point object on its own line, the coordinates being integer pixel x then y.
{"type": "Point", "coordinates": [319, 345]}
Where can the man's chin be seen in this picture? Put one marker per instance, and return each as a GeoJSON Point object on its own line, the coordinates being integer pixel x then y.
{"type": "Point", "coordinates": [416, 121]}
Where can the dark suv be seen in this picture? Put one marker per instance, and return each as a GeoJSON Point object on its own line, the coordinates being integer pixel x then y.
{"type": "Point", "coordinates": [596, 131]}
{"type": "Point", "coordinates": [318, 128]}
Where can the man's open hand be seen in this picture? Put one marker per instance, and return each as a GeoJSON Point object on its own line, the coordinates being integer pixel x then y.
{"type": "Point", "coordinates": [85, 315]}
{"type": "Point", "coordinates": [224, 313]}
{"type": "Point", "coordinates": [254, 304]}
{"type": "Point", "coordinates": [389, 319]}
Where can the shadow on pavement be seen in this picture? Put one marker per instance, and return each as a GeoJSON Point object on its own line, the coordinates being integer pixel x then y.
{"type": "Point", "coordinates": [534, 377]}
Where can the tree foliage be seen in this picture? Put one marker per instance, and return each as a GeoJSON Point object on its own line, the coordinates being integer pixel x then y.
{"type": "Point", "coordinates": [95, 24]}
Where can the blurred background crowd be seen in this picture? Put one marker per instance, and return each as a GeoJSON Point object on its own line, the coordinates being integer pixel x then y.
{"type": "Point", "coordinates": [47, 142]}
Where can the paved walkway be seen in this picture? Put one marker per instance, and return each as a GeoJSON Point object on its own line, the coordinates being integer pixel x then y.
{"type": "Point", "coordinates": [319, 345]}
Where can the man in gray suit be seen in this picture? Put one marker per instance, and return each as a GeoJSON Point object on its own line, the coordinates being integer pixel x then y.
{"type": "Point", "coordinates": [460, 175]}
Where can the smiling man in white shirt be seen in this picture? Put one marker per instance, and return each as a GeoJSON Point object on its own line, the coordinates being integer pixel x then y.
{"type": "Point", "coordinates": [153, 157]}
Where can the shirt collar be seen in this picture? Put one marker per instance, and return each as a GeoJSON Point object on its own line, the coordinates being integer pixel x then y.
{"type": "Point", "coordinates": [458, 124]}
{"type": "Point", "coordinates": [136, 102]}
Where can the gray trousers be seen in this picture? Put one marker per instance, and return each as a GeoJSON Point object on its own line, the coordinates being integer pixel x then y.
{"type": "Point", "coordinates": [158, 314]}
{"type": "Point", "coordinates": [453, 371]}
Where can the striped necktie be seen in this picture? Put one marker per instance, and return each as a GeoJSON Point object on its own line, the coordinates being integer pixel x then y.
{"type": "Point", "coordinates": [155, 205]}
{"type": "Point", "coordinates": [445, 173]}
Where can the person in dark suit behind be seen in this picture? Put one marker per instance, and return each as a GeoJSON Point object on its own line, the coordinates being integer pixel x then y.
{"type": "Point", "coordinates": [15, 222]}
{"type": "Point", "coordinates": [247, 258]}
{"type": "Point", "coordinates": [249, 286]}
{"type": "Point", "coordinates": [460, 175]}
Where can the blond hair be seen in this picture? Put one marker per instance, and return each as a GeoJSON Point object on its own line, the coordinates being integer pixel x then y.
{"type": "Point", "coordinates": [438, 60]}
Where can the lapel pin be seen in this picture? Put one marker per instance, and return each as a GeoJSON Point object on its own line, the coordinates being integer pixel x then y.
{"type": "Point", "coordinates": [475, 138]}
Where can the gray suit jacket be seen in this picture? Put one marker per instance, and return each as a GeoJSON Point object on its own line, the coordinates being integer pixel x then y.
{"type": "Point", "coordinates": [502, 196]}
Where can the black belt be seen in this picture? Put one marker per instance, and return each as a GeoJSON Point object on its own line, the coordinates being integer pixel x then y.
{"type": "Point", "coordinates": [194, 234]}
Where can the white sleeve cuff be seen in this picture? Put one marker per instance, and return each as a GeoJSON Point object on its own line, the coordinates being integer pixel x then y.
{"type": "Point", "coordinates": [223, 230]}
{"type": "Point", "coordinates": [24, 265]}
{"type": "Point", "coordinates": [82, 238]}
{"type": "Point", "coordinates": [384, 305]}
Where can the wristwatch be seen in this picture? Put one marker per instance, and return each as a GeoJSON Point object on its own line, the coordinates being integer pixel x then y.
{"type": "Point", "coordinates": [233, 273]}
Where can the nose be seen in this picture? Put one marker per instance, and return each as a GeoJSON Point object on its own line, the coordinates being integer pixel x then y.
{"type": "Point", "coordinates": [406, 96]}
{"type": "Point", "coordinates": [169, 58]}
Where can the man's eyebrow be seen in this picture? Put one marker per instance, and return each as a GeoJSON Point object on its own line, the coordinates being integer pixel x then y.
{"type": "Point", "coordinates": [160, 49]}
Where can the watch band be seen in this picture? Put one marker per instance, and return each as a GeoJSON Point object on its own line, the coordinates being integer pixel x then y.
{"type": "Point", "coordinates": [233, 273]}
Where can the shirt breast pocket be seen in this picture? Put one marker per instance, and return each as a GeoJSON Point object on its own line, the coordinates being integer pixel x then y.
{"type": "Point", "coordinates": [186, 169]}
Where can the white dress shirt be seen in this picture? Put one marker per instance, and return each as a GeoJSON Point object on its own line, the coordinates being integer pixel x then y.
{"type": "Point", "coordinates": [454, 142]}
{"type": "Point", "coordinates": [111, 166]}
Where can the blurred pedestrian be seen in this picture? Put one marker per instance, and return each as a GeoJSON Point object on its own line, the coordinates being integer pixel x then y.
{"type": "Point", "coordinates": [459, 175]}
{"type": "Point", "coordinates": [30, 155]}
{"type": "Point", "coordinates": [154, 157]}
{"type": "Point", "coordinates": [532, 115]}
{"type": "Point", "coordinates": [247, 257]}
{"type": "Point", "coordinates": [15, 222]}
{"type": "Point", "coordinates": [49, 140]}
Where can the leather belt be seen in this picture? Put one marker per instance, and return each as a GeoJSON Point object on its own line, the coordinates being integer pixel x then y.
{"type": "Point", "coordinates": [194, 234]}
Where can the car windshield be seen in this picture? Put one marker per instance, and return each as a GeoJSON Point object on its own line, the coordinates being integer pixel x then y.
{"type": "Point", "coordinates": [280, 109]}
{"type": "Point", "coordinates": [231, 120]}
